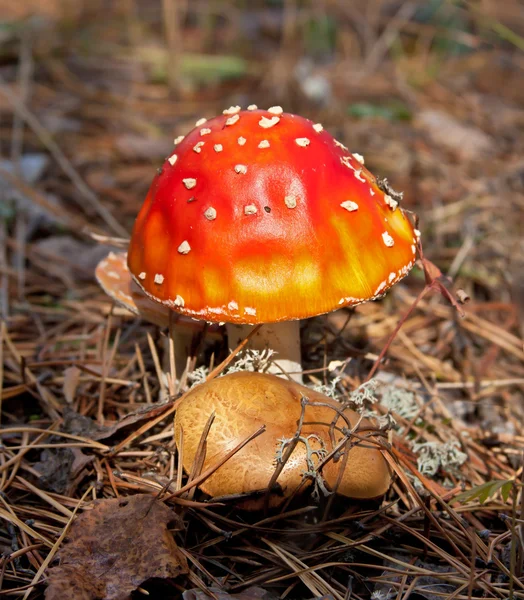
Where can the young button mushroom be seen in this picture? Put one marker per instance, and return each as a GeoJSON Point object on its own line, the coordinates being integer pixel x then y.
{"type": "Point", "coordinates": [244, 401]}
{"type": "Point", "coordinates": [267, 233]}
{"type": "Point", "coordinates": [115, 279]}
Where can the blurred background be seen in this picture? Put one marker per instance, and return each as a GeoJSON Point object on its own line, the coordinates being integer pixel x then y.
{"type": "Point", "coordinates": [431, 92]}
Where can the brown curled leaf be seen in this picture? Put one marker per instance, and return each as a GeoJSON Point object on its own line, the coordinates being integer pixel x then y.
{"type": "Point", "coordinates": [114, 548]}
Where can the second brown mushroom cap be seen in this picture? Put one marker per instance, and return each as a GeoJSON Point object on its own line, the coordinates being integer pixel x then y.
{"type": "Point", "coordinates": [242, 403]}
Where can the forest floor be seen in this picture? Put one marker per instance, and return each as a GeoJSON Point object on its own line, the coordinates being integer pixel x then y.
{"type": "Point", "coordinates": [91, 97]}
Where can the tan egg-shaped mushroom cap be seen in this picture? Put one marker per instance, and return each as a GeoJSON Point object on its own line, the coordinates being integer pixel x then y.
{"type": "Point", "coordinates": [242, 402]}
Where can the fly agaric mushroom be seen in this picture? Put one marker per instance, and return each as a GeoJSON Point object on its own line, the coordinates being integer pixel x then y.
{"type": "Point", "coordinates": [115, 279]}
{"type": "Point", "coordinates": [244, 401]}
{"type": "Point", "coordinates": [261, 216]}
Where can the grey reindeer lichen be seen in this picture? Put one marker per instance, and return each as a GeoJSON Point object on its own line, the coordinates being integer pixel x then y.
{"type": "Point", "coordinates": [431, 456]}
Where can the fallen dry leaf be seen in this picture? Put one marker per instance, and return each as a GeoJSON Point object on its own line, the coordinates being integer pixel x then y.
{"type": "Point", "coordinates": [149, 411]}
{"type": "Point", "coordinates": [113, 548]}
{"type": "Point", "coordinates": [88, 428]}
{"type": "Point", "coordinates": [59, 467]}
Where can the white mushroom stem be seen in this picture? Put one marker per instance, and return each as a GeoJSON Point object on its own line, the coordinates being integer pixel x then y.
{"type": "Point", "coordinates": [283, 338]}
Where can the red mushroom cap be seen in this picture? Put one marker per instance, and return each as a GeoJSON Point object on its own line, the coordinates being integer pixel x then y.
{"type": "Point", "coordinates": [262, 216]}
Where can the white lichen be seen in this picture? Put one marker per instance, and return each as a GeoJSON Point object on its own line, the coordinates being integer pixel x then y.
{"type": "Point", "coordinates": [198, 376]}
{"type": "Point", "coordinates": [328, 389]}
{"type": "Point", "coordinates": [253, 360]}
{"type": "Point", "coordinates": [432, 456]}
{"type": "Point", "coordinates": [399, 400]}
{"type": "Point", "coordinates": [364, 395]}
